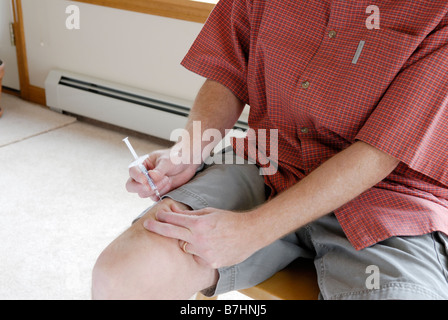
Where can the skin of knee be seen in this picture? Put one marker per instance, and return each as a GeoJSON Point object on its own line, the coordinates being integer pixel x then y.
{"type": "Point", "coordinates": [142, 265]}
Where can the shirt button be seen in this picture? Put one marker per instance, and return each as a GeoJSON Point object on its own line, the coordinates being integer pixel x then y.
{"type": "Point", "coordinates": [332, 34]}
{"type": "Point", "coordinates": [304, 130]}
{"type": "Point", "coordinates": [305, 84]}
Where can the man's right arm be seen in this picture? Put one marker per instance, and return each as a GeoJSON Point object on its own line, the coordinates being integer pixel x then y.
{"type": "Point", "coordinates": [215, 107]}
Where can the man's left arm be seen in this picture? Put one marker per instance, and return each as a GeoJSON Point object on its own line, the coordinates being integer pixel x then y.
{"type": "Point", "coordinates": [336, 182]}
{"type": "Point", "coordinates": [221, 238]}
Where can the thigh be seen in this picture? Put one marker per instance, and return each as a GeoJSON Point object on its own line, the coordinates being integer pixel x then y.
{"type": "Point", "coordinates": [397, 268]}
{"type": "Point", "coordinates": [229, 184]}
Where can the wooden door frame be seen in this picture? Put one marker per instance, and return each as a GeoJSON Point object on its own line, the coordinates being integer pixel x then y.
{"type": "Point", "coordinates": [179, 9]}
{"type": "Point", "coordinates": [27, 91]}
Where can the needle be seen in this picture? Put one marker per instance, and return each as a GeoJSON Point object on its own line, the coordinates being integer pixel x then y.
{"type": "Point", "coordinates": [139, 162]}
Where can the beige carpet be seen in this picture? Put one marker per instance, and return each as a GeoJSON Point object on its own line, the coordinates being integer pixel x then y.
{"type": "Point", "coordinates": [21, 122]}
{"type": "Point", "coordinates": [62, 200]}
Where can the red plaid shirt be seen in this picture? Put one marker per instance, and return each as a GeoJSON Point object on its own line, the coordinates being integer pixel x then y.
{"type": "Point", "coordinates": [295, 64]}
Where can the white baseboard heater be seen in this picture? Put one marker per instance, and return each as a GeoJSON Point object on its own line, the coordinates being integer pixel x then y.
{"type": "Point", "coordinates": [123, 106]}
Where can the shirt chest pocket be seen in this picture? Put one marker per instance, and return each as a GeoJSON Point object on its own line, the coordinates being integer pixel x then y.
{"type": "Point", "coordinates": [355, 72]}
{"type": "Point", "coordinates": [379, 56]}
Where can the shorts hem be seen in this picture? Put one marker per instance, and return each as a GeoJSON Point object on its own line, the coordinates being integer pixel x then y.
{"type": "Point", "coordinates": [226, 282]}
{"type": "Point", "coordinates": [391, 291]}
{"type": "Point", "coordinates": [188, 198]}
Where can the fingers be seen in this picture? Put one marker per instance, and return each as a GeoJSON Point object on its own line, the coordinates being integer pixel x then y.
{"type": "Point", "coordinates": [170, 225]}
{"type": "Point", "coordinates": [178, 218]}
{"type": "Point", "coordinates": [176, 224]}
{"type": "Point", "coordinates": [138, 176]}
{"type": "Point", "coordinates": [160, 162]}
{"type": "Point", "coordinates": [151, 161]}
{"type": "Point", "coordinates": [188, 248]}
{"type": "Point", "coordinates": [183, 245]}
{"type": "Point", "coordinates": [183, 226]}
{"type": "Point", "coordinates": [137, 183]}
{"type": "Point", "coordinates": [136, 187]}
{"type": "Point", "coordinates": [166, 175]}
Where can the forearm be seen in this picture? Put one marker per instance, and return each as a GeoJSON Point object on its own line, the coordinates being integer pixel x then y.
{"type": "Point", "coordinates": [333, 184]}
{"type": "Point", "coordinates": [215, 107]}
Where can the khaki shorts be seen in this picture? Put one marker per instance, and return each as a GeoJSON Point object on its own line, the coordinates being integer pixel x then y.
{"type": "Point", "coordinates": [397, 268]}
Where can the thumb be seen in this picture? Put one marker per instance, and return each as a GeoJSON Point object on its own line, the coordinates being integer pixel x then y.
{"type": "Point", "coordinates": [156, 175]}
{"type": "Point", "coordinates": [159, 166]}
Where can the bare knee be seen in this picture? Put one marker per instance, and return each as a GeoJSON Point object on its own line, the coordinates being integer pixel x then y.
{"type": "Point", "coordinates": [130, 267]}
{"type": "Point", "coordinates": [143, 265]}
{"type": "Point", "coordinates": [109, 276]}
{"type": "Point", "coordinates": [103, 277]}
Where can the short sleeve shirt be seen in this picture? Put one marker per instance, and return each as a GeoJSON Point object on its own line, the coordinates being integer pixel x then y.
{"type": "Point", "coordinates": [328, 73]}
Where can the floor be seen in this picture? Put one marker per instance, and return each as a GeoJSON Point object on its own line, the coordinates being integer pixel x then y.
{"type": "Point", "coordinates": [62, 199]}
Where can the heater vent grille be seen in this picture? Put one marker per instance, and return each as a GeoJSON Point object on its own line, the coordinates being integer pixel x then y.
{"type": "Point", "coordinates": [124, 96]}
{"type": "Point", "coordinates": [140, 110]}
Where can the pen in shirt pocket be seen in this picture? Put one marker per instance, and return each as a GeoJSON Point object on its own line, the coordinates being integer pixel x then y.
{"type": "Point", "coordinates": [358, 51]}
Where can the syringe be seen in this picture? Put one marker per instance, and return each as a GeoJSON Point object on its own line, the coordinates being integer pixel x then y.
{"type": "Point", "coordinates": [139, 162]}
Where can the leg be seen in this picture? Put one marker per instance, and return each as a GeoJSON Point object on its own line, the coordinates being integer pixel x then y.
{"type": "Point", "coordinates": [142, 265]}
{"type": "Point", "coordinates": [399, 268]}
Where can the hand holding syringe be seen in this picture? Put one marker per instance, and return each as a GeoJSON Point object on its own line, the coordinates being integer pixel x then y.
{"type": "Point", "coordinates": [139, 162]}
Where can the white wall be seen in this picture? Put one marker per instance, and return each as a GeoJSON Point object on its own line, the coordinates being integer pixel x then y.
{"type": "Point", "coordinates": [134, 49]}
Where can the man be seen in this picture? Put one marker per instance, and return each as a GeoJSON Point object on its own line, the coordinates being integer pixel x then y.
{"type": "Point", "coordinates": [358, 94]}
